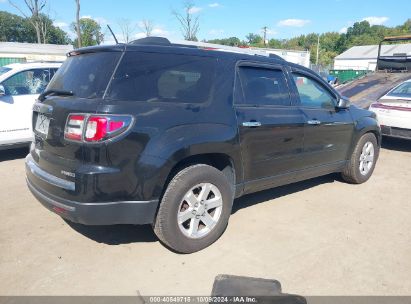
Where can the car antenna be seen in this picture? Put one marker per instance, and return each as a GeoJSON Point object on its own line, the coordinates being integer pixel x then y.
{"type": "Point", "coordinates": [111, 31]}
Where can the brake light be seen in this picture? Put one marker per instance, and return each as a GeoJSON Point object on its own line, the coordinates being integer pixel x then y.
{"type": "Point", "coordinates": [95, 128]}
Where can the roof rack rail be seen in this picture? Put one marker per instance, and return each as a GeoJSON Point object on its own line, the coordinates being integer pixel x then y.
{"type": "Point", "coordinates": [203, 45]}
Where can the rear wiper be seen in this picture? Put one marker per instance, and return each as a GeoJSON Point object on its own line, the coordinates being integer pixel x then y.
{"type": "Point", "coordinates": [43, 95]}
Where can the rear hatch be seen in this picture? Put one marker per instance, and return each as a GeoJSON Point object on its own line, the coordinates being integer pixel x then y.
{"type": "Point", "coordinates": [77, 87]}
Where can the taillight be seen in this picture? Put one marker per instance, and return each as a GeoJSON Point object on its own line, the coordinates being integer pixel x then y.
{"type": "Point", "coordinates": [95, 128]}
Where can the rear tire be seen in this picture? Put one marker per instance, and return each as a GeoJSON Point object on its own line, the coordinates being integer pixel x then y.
{"type": "Point", "coordinates": [363, 159]}
{"type": "Point", "coordinates": [195, 208]}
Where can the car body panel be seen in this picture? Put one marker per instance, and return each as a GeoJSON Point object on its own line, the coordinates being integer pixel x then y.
{"type": "Point", "coordinates": [394, 113]}
{"type": "Point", "coordinates": [136, 166]}
{"type": "Point", "coordinates": [16, 110]}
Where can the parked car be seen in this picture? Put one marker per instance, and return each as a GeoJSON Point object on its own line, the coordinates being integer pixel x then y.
{"type": "Point", "coordinates": [20, 85]}
{"type": "Point", "coordinates": [394, 111]}
{"type": "Point", "coordinates": [156, 133]}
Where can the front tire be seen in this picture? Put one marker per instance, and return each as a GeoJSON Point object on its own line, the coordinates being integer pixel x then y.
{"type": "Point", "coordinates": [194, 210]}
{"type": "Point", "coordinates": [362, 162]}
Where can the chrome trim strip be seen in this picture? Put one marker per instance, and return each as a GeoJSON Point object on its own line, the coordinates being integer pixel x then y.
{"type": "Point", "coordinates": [49, 178]}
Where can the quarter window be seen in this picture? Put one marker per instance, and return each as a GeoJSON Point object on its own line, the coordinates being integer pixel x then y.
{"type": "Point", "coordinates": [163, 77]}
{"type": "Point", "coordinates": [312, 94]}
{"type": "Point", "coordinates": [262, 86]}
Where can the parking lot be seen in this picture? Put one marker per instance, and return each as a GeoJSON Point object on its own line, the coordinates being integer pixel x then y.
{"type": "Point", "coordinates": [318, 237]}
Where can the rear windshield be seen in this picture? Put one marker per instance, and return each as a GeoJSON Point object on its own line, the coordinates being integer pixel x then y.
{"type": "Point", "coordinates": [4, 70]}
{"type": "Point", "coordinates": [163, 77]}
{"type": "Point", "coordinates": [86, 75]}
{"type": "Point", "coordinates": [403, 90]}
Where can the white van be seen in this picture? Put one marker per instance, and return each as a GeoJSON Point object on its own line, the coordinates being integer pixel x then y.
{"type": "Point", "coordinates": [20, 85]}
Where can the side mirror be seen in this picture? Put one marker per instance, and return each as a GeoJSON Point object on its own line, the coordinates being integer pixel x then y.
{"type": "Point", "coordinates": [343, 103]}
{"type": "Point", "coordinates": [2, 90]}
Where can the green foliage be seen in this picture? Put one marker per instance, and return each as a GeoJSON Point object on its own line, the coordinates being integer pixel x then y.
{"type": "Point", "coordinates": [331, 43]}
{"type": "Point", "coordinates": [90, 32]}
{"type": "Point", "coordinates": [14, 28]}
{"type": "Point", "coordinates": [232, 41]}
{"type": "Point", "coordinates": [254, 39]}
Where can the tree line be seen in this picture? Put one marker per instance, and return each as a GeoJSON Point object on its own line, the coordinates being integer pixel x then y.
{"type": "Point", "coordinates": [35, 25]}
{"type": "Point", "coordinates": [331, 43]}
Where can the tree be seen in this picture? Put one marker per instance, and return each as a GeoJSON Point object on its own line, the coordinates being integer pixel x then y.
{"type": "Point", "coordinates": [14, 28]}
{"type": "Point", "coordinates": [189, 24]}
{"type": "Point", "coordinates": [147, 27]}
{"type": "Point", "coordinates": [78, 23]}
{"type": "Point", "coordinates": [90, 32]}
{"type": "Point", "coordinates": [232, 41]}
{"type": "Point", "coordinates": [53, 34]}
{"type": "Point", "coordinates": [275, 43]}
{"type": "Point", "coordinates": [36, 19]}
{"type": "Point", "coordinates": [254, 39]}
{"type": "Point", "coordinates": [127, 29]}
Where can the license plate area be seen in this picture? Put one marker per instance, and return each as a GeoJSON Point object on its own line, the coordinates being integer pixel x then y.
{"type": "Point", "coordinates": [42, 125]}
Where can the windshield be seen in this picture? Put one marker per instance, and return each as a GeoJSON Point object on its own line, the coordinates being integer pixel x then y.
{"type": "Point", "coordinates": [403, 90]}
{"type": "Point", "coordinates": [86, 75]}
{"type": "Point", "coordinates": [4, 70]}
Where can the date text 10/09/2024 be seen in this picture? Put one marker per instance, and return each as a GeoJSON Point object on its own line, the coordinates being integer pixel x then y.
{"type": "Point", "coordinates": [201, 299]}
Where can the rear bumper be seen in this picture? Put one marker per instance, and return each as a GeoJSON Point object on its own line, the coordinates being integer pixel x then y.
{"type": "Point", "coordinates": [96, 213]}
{"type": "Point", "coordinates": [396, 132]}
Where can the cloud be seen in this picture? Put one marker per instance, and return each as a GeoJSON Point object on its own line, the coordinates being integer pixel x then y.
{"type": "Point", "coordinates": [60, 24]}
{"type": "Point", "coordinates": [293, 22]}
{"type": "Point", "coordinates": [215, 32]}
{"type": "Point", "coordinates": [195, 10]}
{"type": "Point", "coordinates": [373, 20]}
{"type": "Point", "coordinates": [157, 31]}
{"type": "Point", "coordinates": [343, 30]}
{"type": "Point", "coordinates": [99, 20]}
{"type": "Point", "coordinates": [214, 5]}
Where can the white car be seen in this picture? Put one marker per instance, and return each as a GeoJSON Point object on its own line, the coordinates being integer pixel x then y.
{"type": "Point", "coordinates": [20, 85]}
{"type": "Point", "coordinates": [394, 111]}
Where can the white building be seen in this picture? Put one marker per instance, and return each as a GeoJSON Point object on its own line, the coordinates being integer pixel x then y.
{"type": "Point", "coordinates": [298, 57]}
{"type": "Point", "coordinates": [25, 52]}
{"type": "Point", "coordinates": [365, 57]}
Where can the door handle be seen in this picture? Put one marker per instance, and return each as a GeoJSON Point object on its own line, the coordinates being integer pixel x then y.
{"type": "Point", "coordinates": [314, 122]}
{"type": "Point", "coordinates": [252, 124]}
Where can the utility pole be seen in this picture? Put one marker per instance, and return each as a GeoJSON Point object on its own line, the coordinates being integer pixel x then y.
{"type": "Point", "coordinates": [265, 28]}
{"type": "Point", "coordinates": [318, 49]}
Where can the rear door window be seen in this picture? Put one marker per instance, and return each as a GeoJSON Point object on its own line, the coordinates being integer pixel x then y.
{"type": "Point", "coordinates": [163, 77]}
{"type": "Point", "coordinates": [264, 86]}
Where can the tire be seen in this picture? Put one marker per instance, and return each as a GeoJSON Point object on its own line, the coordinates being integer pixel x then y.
{"type": "Point", "coordinates": [355, 172]}
{"type": "Point", "coordinates": [185, 198]}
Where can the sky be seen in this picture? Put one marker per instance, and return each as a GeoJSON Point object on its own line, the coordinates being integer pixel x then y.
{"type": "Point", "coordinates": [227, 18]}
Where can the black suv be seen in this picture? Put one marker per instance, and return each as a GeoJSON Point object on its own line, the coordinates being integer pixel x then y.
{"type": "Point", "coordinates": [157, 133]}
